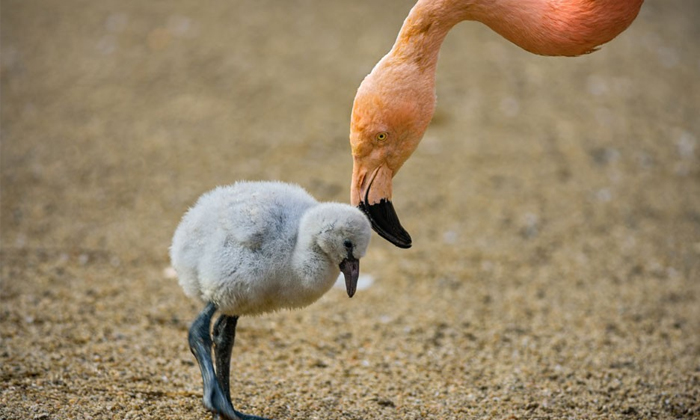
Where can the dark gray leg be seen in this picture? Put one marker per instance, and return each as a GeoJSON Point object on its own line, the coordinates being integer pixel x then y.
{"type": "Point", "coordinates": [224, 337]}
{"type": "Point", "coordinates": [200, 343]}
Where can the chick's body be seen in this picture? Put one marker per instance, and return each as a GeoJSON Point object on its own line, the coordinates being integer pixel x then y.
{"type": "Point", "coordinates": [234, 247]}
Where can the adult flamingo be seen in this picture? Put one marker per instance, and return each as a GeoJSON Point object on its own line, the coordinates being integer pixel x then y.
{"type": "Point", "coordinates": [395, 102]}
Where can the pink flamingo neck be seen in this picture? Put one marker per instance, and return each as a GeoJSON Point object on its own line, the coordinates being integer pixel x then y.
{"type": "Point", "coordinates": [425, 29]}
{"type": "Point", "coordinates": [545, 27]}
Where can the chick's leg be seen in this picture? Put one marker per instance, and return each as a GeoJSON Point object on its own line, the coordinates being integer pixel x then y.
{"type": "Point", "coordinates": [200, 344]}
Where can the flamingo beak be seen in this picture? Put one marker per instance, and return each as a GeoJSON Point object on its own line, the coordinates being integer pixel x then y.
{"type": "Point", "coordinates": [373, 197]}
{"type": "Point", "coordinates": [350, 267]}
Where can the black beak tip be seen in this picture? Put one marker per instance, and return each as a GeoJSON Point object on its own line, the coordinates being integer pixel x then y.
{"type": "Point", "coordinates": [386, 223]}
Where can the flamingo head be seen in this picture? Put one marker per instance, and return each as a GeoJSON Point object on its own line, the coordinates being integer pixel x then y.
{"type": "Point", "coordinates": [387, 124]}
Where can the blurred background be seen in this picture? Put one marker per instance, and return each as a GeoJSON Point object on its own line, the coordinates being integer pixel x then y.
{"type": "Point", "coordinates": [554, 205]}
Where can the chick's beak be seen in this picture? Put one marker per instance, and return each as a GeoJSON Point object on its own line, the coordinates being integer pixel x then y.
{"type": "Point", "coordinates": [351, 270]}
{"type": "Point", "coordinates": [371, 193]}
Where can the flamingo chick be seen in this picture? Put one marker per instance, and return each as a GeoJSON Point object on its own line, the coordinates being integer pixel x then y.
{"type": "Point", "coordinates": [256, 247]}
{"type": "Point", "coordinates": [396, 101]}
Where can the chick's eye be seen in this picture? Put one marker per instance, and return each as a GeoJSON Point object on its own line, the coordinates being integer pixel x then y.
{"type": "Point", "coordinates": [382, 136]}
{"type": "Point", "coordinates": [348, 244]}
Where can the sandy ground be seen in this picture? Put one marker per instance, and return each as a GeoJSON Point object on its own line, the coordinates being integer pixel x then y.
{"type": "Point", "coordinates": [554, 206]}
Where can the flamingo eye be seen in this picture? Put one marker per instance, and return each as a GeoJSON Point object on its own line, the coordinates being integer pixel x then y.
{"type": "Point", "coordinates": [382, 136]}
{"type": "Point", "coordinates": [347, 244]}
